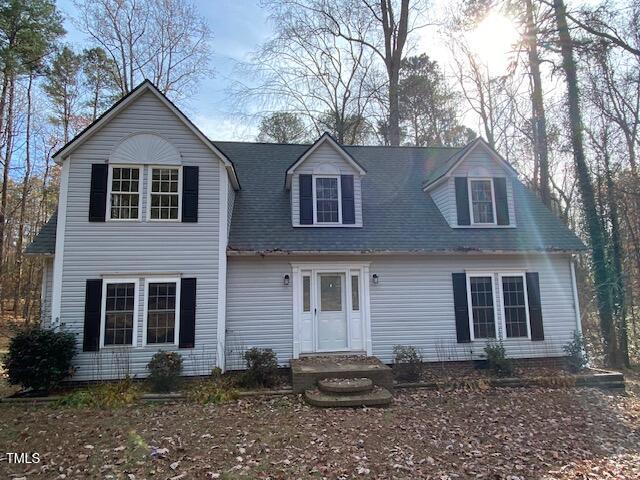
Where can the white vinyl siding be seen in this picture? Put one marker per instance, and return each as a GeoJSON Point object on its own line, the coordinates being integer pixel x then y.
{"type": "Point", "coordinates": [445, 199]}
{"type": "Point", "coordinates": [412, 304]}
{"type": "Point", "coordinates": [325, 154]}
{"type": "Point", "coordinates": [142, 249]}
{"type": "Point", "coordinates": [231, 199]}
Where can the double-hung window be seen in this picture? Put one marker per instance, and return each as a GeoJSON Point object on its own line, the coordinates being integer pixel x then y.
{"type": "Point", "coordinates": [514, 305]}
{"type": "Point", "coordinates": [326, 199]}
{"type": "Point", "coordinates": [482, 201]}
{"type": "Point", "coordinates": [481, 306]}
{"type": "Point", "coordinates": [164, 193]}
{"type": "Point", "coordinates": [124, 193]}
{"type": "Point", "coordinates": [162, 315]}
{"type": "Point", "coordinates": [120, 312]}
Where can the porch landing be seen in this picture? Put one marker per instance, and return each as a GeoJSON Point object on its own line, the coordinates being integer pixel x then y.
{"type": "Point", "coordinates": [307, 371]}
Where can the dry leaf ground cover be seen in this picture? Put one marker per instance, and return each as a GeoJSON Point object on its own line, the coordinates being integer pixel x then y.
{"type": "Point", "coordinates": [498, 433]}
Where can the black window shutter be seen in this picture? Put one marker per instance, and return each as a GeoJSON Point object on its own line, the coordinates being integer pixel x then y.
{"type": "Point", "coordinates": [348, 201]}
{"type": "Point", "coordinates": [92, 316]}
{"type": "Point", "coordinates": [187, 313]}
{"type": "Point", "coordinates": [535, 307]}
{"type": "Point", "coordinates": [98, 193]}
{"type": "Point", "coordinates": [306, 199]}
{"type": "Point", "coordinates": [462, 201]}
{"type": "Point", "coordinates": [502, 207]}
{"type": "Point", "coordinates": [190, 176]}
{"type": "Point", "coordinates": [461, 307]}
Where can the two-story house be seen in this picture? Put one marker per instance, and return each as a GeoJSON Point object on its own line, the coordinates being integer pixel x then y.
{"type": "Point", "coordinates": [164, 239]}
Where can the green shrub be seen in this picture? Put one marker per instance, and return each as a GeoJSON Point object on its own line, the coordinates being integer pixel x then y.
{"type": "Point", "coordinates": [262, 368]}
{"type": "Point", "coordinates": [210, 391]}
{"type": "Point", "coordinates": [576, 358]}
{"type": "Point", "coordinates": [40, 359]}
{"type": "Point", "coordinates": [407, 364]}
{"type": "Point", "coordinates": [165, 368]}
{"type": "Point", "coordinates": [497, 360]}
{"type": "Point", "coordinates": [104, 395]}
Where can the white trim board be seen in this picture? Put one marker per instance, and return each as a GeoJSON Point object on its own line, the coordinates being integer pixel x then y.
{"type": "Point", "coordinates": [58, 259]}
{"type": "Point", "coordinates": [223, 238]}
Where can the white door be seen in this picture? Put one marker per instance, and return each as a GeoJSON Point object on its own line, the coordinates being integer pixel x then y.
{"type": "Point", "coordinates": [331, 312]}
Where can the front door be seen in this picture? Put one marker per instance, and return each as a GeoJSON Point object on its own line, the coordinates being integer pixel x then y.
{"type": "Point", "coordinates": [332, 312]}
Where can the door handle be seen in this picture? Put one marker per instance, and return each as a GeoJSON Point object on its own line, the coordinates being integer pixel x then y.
{"type": "Point", "coordinates": [315, 311]}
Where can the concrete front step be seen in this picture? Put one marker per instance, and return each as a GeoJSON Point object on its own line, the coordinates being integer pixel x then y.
{"type": "Point", "coordinates": [345, 386]}
{"type": "Point", "coordinates": [378, 397]}
{"type": "Point", "coordinates": [307, 372]}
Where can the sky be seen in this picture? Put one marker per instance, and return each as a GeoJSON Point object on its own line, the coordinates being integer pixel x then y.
{"type": "Point", "coordinates": [240, 26]}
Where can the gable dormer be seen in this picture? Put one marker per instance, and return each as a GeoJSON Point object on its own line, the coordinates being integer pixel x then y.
{"type": "Point", "coordinates": [325, 184]}
{"type": "Point", "coordinates": [474, 188]}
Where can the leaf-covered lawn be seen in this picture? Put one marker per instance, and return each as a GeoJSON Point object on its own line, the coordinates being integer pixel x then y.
{"type": "Point", "coordinates": [501, 433]}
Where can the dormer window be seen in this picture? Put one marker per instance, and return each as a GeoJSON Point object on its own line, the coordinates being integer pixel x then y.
{"type": "Point", "coordinates": [327, 199]}
{"type": "Point", "coordinates": [325, 184]}
{"type": "Point", "coordinates": [482, 201]}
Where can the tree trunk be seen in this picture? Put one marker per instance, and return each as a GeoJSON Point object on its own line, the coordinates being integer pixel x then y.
{"type": "Point", "coordinates": [594, 228]}
{"type": "Point", "coordinates": [23, 203]}
{"type": "Point", "coordinates": [5, 185]}
{"type": "Point", "coordinates": [395, 37]}
{"type": "Point", "coordinates": [537, 104]}
{"type": "Point", "coordinates": [618, 286]}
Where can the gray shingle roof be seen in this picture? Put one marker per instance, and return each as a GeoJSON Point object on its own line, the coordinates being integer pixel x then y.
{"type": "Point", "coordinates": [397, 215]}
{"type": "Point", "coordinates": [45, 241]}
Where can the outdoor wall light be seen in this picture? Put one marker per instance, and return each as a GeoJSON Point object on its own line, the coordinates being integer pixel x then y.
{"type": "Point", "coordinates": [374, 277]}
{"type": "Point", "coordinates": [286, 280]}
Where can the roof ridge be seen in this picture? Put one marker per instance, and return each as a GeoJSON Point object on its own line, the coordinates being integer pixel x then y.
{"type": "Point", "coordinates": [345, 146]}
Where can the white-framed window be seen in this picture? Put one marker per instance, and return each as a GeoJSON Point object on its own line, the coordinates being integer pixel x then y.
{"type": "Point", "coordinates": [482, 201]}
{"type": "Point", "coordinates": [327, 199]}
{"type": "Point", "coordinates": [306, 293]}
{"type": "Point", "coordinates": [515, 305]}
{"type": "Point", "coordinates": [123, 193]}
{"type": "Point", "coordinates": [481, 304]}
{"type": "Point", "coordinates": [119, 319]}
{"type": "Point", "coordinates": [161, 323]}
{"type": "Point", "coordinates": [164, 193]}
{"type": "Point", "coordinates": [355, 292]}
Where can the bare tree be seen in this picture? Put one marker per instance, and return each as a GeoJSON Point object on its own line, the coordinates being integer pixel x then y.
{"type": "Point", "coordinates": [304, 70]}
{"type": "Point", "coordinates": [165, 41]}
{"type": "Point", "coordinates": [590, 211]}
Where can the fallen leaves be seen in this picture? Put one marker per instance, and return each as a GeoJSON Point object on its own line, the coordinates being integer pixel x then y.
{"type": "Point", "coordinates": [511, 434]}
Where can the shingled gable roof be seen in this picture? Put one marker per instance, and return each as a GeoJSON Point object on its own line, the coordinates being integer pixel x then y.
{"type": "Point", "coordinates": [398, 216]}
{"type": "Point", "coordinates": [326, 137]}
{"type": "Point", "coordinates": [45, 241]}
{"type": "Point", "coordinates": [447, 167]}
{"type": "Point", "coordinates": [145, 86]}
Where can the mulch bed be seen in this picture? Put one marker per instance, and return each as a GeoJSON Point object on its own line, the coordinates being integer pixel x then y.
{"type": "Point", "coordinates": [499, 434]}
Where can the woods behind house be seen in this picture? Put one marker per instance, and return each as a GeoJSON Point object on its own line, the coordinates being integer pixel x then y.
{"type": "Point", "coordinates": [564, 109]}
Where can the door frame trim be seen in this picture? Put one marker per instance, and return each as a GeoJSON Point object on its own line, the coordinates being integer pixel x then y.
{"type": "Point", "coordinates": [331, 267]}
